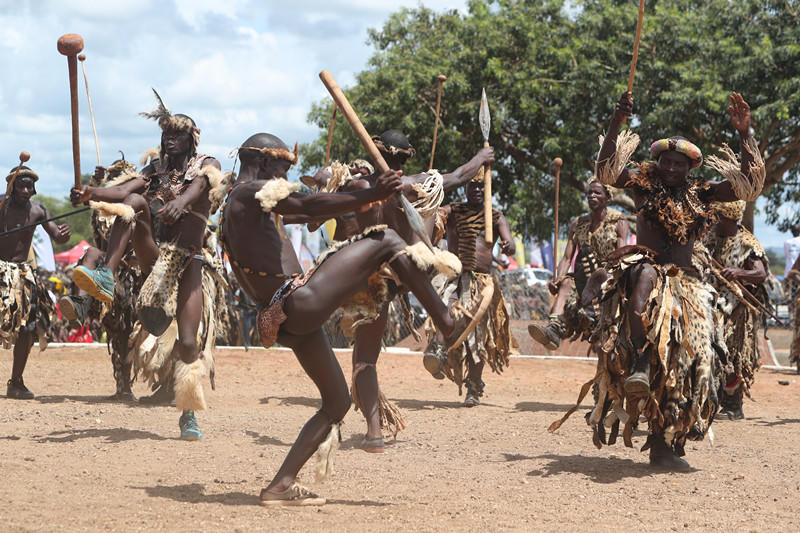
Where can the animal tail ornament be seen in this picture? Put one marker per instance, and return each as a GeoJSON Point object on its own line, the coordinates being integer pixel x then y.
{"type": "Point", "coordinates": [326, 452]}
{"type": "Point", "coordinates": [608, 171]}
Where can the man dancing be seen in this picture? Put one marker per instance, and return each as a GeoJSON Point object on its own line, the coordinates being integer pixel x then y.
{"type": "Point", "coordinates": [164, 212]}
{"type": "Point", "coordinates": [292, 305]}
{"type": "Point", "coordinates": [491, 340]}
{"type": "Point", "coordinates": [25, 307]}
{"type": "Point", "coordinates": [742, 259]}
{"type": "Point", "coordinates": [656, 337]}
{"type": "Point", "coordinates": [425, 191]}
{"type": "Point", "coordinates": [594, 236]}
{"type": "Point", "coordinates": [794, 349]}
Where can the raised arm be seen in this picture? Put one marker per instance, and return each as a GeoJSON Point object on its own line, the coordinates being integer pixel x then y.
{"type": "Point", "coordinates": [607, 169]}
{"type": "Point", "coordinates": [117, 193]}
{"type": "Point", "coordinates": [746, 181]}
{"type": "Point", "coordinates": [460, 176]}
{"type": "Point", "coordinates": [314, 206]}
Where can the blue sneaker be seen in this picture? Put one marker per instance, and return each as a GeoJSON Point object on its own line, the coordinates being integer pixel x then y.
{"type": "Point", "coordinates": [98, 282]}
{"type": "Point", "coordinates": [189, 428]}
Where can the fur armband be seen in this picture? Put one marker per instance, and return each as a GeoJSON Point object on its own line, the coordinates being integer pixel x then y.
{"type": "Point", "coordinates": [730, 167]}
{"type": "Point", "coordinates": [274, 191]}
{"type": "Point", "coordinates": [443, 261]}
{"type": "Point", "coordinates": [609, 170]}
{"type": "Point", "coordinates": [114, 209]}
{"type": "Point", "coordinates": [219, 183]}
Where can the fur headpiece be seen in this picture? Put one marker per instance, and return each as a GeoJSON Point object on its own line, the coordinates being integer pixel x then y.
{"type": "Point", "coordinates": [731, 210]}
{"type": "Point", "coordinates": [275, 153]}
{"type": "Point", "coordinates": [169, 122]}
{"type": "Point", "coordinates": [682, 146]}
{"type": "Point", "coordinates": [24, 172]}
{"type": "Point", "coordinates": [361, 163]}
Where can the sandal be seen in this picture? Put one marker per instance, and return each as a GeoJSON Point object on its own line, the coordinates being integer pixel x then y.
{"type": "Point", "coordinates": [295, 495]}
{"type": "Point", "coordinates": [375, 445]}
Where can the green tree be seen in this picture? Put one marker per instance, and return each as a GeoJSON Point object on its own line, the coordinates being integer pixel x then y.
{"type": "Point", "coordinates": [80, 224]}
{"type": "Point", "coordinates": [552, 76]}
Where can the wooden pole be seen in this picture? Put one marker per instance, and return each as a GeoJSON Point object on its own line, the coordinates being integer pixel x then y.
{"type": "Point", "coordinates": [330, 136]}
{"type": "Point", "coordinates": [636, 45]}
{"type": "Point", "coordinates": [557, 162]}
{"type": "Point", "coordinates": [442, 78]}
{"type": "Point", "coordinates": [70, 45]}
{"type": "Point", "coordinates": [487, 201]}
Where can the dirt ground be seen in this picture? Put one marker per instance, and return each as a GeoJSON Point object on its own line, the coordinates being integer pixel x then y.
{"type": "Point", "coordinates": [73, 461]}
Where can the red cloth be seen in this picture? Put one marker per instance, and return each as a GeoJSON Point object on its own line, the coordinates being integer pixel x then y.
{"type": "Point", "coordinates": [80, 335]}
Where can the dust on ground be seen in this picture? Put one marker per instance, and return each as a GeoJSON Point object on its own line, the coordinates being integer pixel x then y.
{"type": "Point", "coordinates": [73, 461]}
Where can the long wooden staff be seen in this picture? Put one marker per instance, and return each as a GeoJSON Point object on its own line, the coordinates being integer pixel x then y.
{"type": "Point", "coordinates": [636, 45]}
{"type": "Point", "coordinates": [442, 78]}
{"type": "Point", "coordinates": [484, 119]}
{"type": "Point", "coordinates": [414, 220]}
{"type": "Point", "coordinates": [70, 45]}
{"type": "Point", "coordinates": [23, 158]}
{"type": "Point", "coordinates": [557, 162]}
{"type": "Point", "coordinates": [82, 59]}
{"type": "Point", "coordinates": [45, 221]}
{"type": "Point", "coordinates": [747, 297]}
{"type": "Point", "coordinates": [330, 136]}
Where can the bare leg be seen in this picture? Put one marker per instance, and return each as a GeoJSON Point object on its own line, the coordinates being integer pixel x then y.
{"type": "Point", "coordinates": [366, 350]}
{"type": "Point", "coordinates": [188, 312]}
{"type": "Point", "coordinates": [564, 289]}
{"type": "Point", "coordinates": [22, 348]}
{"type": "Point", "coordinates": [347, 272]}
{"type": "Point", "coordinates": [316, 357]}
{"type": "Point", "coordinates": [644, 279]}
{"type": "Point", "coordinates": [141, 232]}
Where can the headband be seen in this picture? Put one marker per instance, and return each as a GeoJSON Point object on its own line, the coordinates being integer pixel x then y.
{"type": "Point", "coordinates": [682, 146]}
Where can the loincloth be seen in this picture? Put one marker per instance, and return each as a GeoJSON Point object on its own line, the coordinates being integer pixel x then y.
{"type": "Point", "coordinates": [152, 355]}
{"type": "Point", "coordinates": [159, 293]}
{"type": "Point", "coordinates": [794, 349]}
{"type": "Point", "coordinates": [271, 316]}
{"type": "Point", "coordinates": [24, 304]}
{"type": "Point", "coordinates": [740, 327]}
{"type": "Point", "coordinates": [685, 343]}
{"type": "Point", "coordinates": [491, 341]}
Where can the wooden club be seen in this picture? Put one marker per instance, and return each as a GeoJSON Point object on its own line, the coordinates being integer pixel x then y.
{"type": "Point", "coordinates": [70, 45]}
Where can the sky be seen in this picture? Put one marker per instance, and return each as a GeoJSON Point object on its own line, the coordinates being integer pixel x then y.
{"type": "Point", "coordinates": [236, 66]}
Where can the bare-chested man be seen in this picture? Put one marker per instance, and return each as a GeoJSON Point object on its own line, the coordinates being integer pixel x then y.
{"type": "Point", "coordinates": [491, 340]}
{"type": "Point", "coordinates": [594, 236]}
{"type": "Point", "coordinates": [163, 212]}
{"type": "Point", "coordinates": [293, 305]}
{"type": "Point", "coordinates": [426, 192]}
{"type": "Point", "coordinates": [656, 336]}
{"type": "Point", "coordinates": [25, 306]}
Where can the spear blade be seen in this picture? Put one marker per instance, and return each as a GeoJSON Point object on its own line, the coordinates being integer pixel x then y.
{"type": "Point", "coordinates": [483, 116]}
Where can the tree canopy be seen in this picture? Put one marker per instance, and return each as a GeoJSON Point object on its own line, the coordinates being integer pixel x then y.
{"type": "Point", "coordinates": [552, 72]}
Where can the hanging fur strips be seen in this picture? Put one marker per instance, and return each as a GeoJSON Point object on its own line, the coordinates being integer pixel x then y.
{"type": "Point", "coordinates": [274, 191]}
{"type": "Point", "coordinates": [326, 453]}
{"type": "Point", "coordinates": [219, 183]}
{"type": "Point", "coordinates": [609, 170]}
{"type": "Point", "coordinates": [189, 385]}
{"type": "Point", "coordinates": [442, 260]}
{"type": "Point", "coordinates": [730, 167]}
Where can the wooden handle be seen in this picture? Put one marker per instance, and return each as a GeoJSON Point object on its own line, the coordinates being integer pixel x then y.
{"type": "Point", "coordinates": [557, 162]}
{"type": "Point", "coordinates": [70, 45]}
{"type": "Point", "coordinates": [487, 201]}
{"type": "Point", "coordinates": [352, 119]}
{"type": "Point", "coordinates": [82, 59]}
{"type": "Point", "coordinates": [330, 137]}
{"type": "Point", "coordinates": [636, 45]}
{"type": "Point", "coordinates": [23, 158]}
{"type": "Point", "coordinates": [442, 78]}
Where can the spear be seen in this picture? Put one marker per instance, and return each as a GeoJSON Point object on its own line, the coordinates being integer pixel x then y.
{"type": "Point", "coordinates": [442, 78]}
{"type": "Point", "coordinates": [485, 121]}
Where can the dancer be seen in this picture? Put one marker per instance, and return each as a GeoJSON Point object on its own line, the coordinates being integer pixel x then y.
{"type": "Point", "coordinates": [594, 235]}
{"type": "Point", "coordinates": [655, 338]}
{"type": "Point", "coordinates": [491, 341]}
{"type": "Point", "coordinates": [742, 259]}
{"type": "Point", "coordinates": [368, 310]}
{"type": "Point", "coordinates": [25, 307]}
{"type": "Point", "coordinates": [164, 212]}
{"type": "Point", "coordinates": [292, 305]}
{"type": "Point", "coordinates": [794, 349]}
